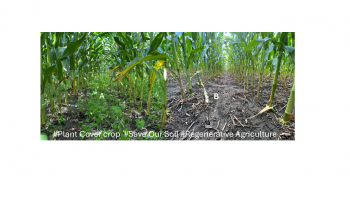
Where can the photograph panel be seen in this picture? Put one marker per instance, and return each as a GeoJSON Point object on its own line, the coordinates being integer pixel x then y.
{"type": "Point", "coordinates": [103, 85]}
{"type": "Point", "coordinates": [167, 85]}
{"type": "Point", "coordinates": [232, 86]}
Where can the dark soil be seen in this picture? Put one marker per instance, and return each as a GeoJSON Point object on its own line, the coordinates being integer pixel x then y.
{"type": "Point", "coordinates": [233, 102]}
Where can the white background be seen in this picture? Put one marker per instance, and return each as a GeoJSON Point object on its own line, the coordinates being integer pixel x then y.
{"type": "Point", "coordinates": [315, 164]}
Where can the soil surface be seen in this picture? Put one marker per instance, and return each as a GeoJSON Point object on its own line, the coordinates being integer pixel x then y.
{"type": "Point", "coordinates": [226, 118]}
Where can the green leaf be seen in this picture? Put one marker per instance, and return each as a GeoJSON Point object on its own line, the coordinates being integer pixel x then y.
{"type": "Point", "coordinates": [72, 62]}
{"type": "Point", "coordinates": [189, 45]}
{"type": "Point", "coordinates": [73, 46]}
{"type": "Point", "coordinates": [251, 45]}
{"type": "Point", "coordinates": [268, 65]}
{"type": "Point", "coordinates": [274, 61]}
{"type": "Point", "coordinates": [48, 41]}
{"type": "Point", "coordinates": [194, 35]}
{"type": "Point", "coordinates": [58, 39]}
{"type": "Point", "coordinates": [167, 46]}
{"type": "Point", "coordinates": [291, 52]}
{"type": "Point", "coordinates": [47, 72]}
{"type": "Point", "coordinates": [205, 50]}
{"type": "Point", "coordinates": [59, 70]}
{"type": "Point", "coordinates": [153, 56]}
{"type": "Point", "coordinates": [156, 42]}
{"type": "Point", "coordinates": [103, 34]}
{"type": "Point", "coordinates": [214, 45]}
{"type": "Point", "coordinates": [60, 51]}
{"type": "Point", "coordinates": [289, 48]}
{"type": "Point", "coordinates": [127, 55]}
{"type": "Point", "coordinates": [264, 39]}
{"type": "Point", "coordinates": [144, 38]}
{"type": "Point", "coordinates": [195, 51]}
{"type": "Point", "coordinates": [127, 41]}
{"type": "Point", "coordinates": [43, 136]}
{"type": "Point", "coordinates": [116, 39]}
{"type": "Point", "coordinates": [240, 44]}
{"type": "Point", "coordinates": [42, 38]}
{"type": "Point", "coordinates": [140, 123]}
{"type": "Point", "coordinates": [268, 51]}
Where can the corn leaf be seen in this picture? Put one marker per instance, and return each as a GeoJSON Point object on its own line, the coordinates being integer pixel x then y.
{"type": "Point", "coordinates": [113, 69]}
{"type": "Point", "coordinates": [144, 38]}
{"type": "Point", "coordinates": [156, 42]}
{"type": "Point", "coordinates": [193, 53]}
{"type": "Point", "coordinates": [153, 56]}
{"type": "Point", "coordinates": [73, 46]}
{"type": "Point", "coordinates": [205, 50]}
{"type": "Point", "coordinates": [251, 45]}
{"type": "Point", "coordinates": [116, 39]}
{"type": "Point", "coordinates": [47, 73]}
{"type": "Point", "coordinates": [153, 74]}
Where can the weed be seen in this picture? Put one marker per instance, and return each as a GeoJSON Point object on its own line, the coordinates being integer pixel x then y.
{"type": "Point", "coordinates": [140, 123]}
{"type": "Point", "coordinates": [61, 121]}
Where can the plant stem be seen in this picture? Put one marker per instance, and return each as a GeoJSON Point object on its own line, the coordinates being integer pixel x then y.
{"type": "Point", "coordinates": [261, 70]}
{"type": "Point", "coordinates": [43, 118]}
{"type": "Point", "coordinates": [290, 104]}
{"type": "Point", "coordinates": [59, 96]}
{"type": "Point", "coordinates": [186, 63]}
{"type": "Point", "coordinates": [275, 79]}
{"type": "Point", "coordinates": [176, 64]}
{"type": "Point", "coordinates": [149, 83]}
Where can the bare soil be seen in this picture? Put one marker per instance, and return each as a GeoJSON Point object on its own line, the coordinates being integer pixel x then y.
{"type": "Point", "coordinates": [233, 104]}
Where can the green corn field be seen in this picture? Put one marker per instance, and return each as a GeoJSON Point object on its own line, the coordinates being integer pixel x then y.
{"type": "Point", "coordinates": [114, 85]}
{"type": "Point", "coordinates": [102, 81]}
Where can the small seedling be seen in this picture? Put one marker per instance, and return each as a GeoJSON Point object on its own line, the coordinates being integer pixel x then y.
{"type": "Point", "coordinates": [61, 120]}
{"type": "Point", "coordinates": [140, 123]}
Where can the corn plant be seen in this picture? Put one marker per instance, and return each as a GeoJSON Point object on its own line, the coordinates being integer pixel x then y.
{"type": "Point", "coordinates": [195, 53]}
{"type": "Point", "coordinates": [253, 52]}
{"type": "Point", "coordinates": [74, 61]}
